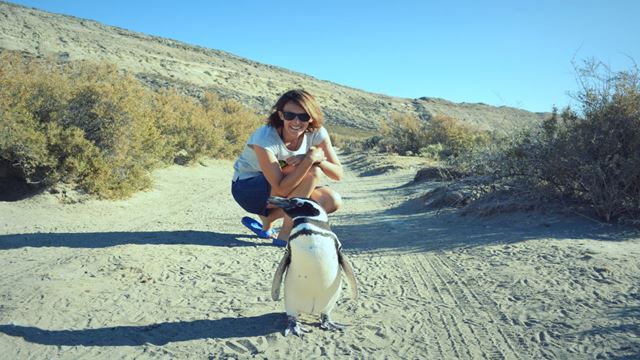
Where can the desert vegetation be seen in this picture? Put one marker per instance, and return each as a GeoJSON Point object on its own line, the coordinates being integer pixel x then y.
{"type": "Point", "coordinates": [590, 154]}
{"type": "Point", "coordinates": [586, 157]}
{"type": "Point", "coordinates": [98, 128]}
{"type": "Point", "coordinates": [439, 138]}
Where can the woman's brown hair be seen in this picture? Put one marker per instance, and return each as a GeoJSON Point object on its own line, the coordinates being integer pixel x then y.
{"type": "Point", "coordinates": [305, 101]}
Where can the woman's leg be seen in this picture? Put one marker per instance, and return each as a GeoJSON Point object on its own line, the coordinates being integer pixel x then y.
{"type": "Point", "coordinates": [274, 214]}
{"type": "Point", "coordinates": [330, 200]}
{"type": "Point", "coordinates": [252, 194]}
{"type": "Point", "coordinates": [304, 189]}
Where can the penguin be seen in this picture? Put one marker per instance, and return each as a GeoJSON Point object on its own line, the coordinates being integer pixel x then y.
{"type": "Point", "coordinates": [312, 262]}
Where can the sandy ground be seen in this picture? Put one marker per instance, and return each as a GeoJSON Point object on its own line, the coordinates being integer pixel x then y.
{"type": "Point", "coordinates": [171, 273]}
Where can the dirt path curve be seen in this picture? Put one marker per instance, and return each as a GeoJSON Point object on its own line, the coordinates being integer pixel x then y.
{"type": "Point", "coordinates": [171, 273]}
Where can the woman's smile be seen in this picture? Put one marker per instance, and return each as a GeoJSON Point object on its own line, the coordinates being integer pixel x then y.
{"type": "Point", "coordinates": [294, 128]}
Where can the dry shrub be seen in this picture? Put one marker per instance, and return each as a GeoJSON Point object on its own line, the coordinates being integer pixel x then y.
{"type": "Point", "coordinates": [595, 155]}
{"type": "Point", "coordinates": [439, 138]}
{"type": "Point", "coordinates": [591, 155]}
{"type": "Point", "coordinates": [403, 134]}
{"type": "Point", "coordinates": [30, 95]}
{"type": "Point", "coordinates": [233, 119]}
{"type": "Point", "coordinates": [98, 128]}
{"type": "Point", "coordinates": [24, 145]}
{"type": "Point", "coordinates": [184, 126]}
{"type": "Point", "coordinates": [114, 112]}
{"type": "Point", "coordinates": [340, 140]}
{"type": "Point", "coordinates": [455, 137]}
{"type": "Point", "coordinates": [347, 138]}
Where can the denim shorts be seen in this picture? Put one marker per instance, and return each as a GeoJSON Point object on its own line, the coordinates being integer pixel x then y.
{"type": "Point", "coordinates": [252, 194]}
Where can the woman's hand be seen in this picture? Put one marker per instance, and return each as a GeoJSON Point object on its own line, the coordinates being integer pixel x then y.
{"type": "Point", "coordinates": [294, 160]}
{"type": "Point", "coordinates": [315, 154]}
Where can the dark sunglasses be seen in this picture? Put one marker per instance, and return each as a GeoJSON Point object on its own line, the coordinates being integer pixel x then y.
{"type": "Point", "coordinates": [289, 116]}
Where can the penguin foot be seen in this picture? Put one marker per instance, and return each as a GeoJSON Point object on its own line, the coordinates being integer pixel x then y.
{"type": "Point", "coordinates": [295, 328]}
{"type": "Point", "coordinates": [327, 324]}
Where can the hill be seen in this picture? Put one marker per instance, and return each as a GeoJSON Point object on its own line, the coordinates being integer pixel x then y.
{"type": "Point", "coordinates": [162, 62]}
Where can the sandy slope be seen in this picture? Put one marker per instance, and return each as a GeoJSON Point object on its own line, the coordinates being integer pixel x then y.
{"type": "Point", "coordinates": [171, 273]}
{"type": "Point", "coordinates": [162, 62]}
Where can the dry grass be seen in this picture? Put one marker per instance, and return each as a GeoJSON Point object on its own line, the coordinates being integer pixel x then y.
{"type": "Point", "coordinates": [91, 125]}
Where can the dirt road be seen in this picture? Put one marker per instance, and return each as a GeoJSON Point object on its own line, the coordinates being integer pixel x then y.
{"type": "Point", "coordinates": [171, 273]}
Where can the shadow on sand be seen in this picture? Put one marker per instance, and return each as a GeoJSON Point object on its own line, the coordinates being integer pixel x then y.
{"type": "Point", "coordinates": [157, 334]}
{"type": "Point", "coordinates": [431, 231]}
{"type": "Point", "coordinates": [107, 239]}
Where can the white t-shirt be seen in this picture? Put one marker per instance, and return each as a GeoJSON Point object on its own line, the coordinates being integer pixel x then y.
{"type": "Point", "coordinates": [267, 137]}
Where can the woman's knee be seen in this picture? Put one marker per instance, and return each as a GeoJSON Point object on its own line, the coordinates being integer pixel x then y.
{"type": "Point", "coordinates": [330, 200]}
{"type": "Point", "coordinates": [336, 200]}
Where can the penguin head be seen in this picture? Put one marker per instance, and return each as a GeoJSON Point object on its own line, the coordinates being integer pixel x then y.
{"type": "Point", "coordinates": [298, 206]}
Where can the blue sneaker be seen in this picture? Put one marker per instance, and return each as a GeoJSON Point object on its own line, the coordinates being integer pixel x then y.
{"type": "Point", "coordinates": [256, 227]}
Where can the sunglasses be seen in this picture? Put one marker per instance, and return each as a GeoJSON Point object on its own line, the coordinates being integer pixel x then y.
{"type": "Point", "coordinates": [289, 116]}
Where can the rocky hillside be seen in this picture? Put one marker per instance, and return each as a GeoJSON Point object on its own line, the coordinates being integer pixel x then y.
{"type": "Point", "coordinates": [161, 62]}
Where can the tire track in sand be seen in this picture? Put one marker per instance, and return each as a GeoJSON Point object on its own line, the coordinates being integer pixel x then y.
{"type": "Point", "coordinates": [488, 342]}
{"type": "Point", "coordinates": [463, 322]}
{"type": "Point", "coordinates": [488, 306]}
{"type": "Point", "coordinates": [419, 283]}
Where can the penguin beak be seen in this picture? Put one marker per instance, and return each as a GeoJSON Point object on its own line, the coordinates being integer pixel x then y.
{"type": "Point", "coordinates": [279, 201]}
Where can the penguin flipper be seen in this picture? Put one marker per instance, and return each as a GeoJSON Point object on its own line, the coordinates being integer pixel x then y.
{"type": "Point", "coordinates": [348, 271]}
{"type": "Point", "coordinates": [277, 277]}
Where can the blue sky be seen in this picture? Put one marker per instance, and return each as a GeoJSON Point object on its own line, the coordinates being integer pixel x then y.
{"type": "Point", "coordinates": [513, 53]}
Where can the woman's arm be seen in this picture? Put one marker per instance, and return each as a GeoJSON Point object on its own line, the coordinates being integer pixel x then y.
{"type": "Point", "coordinates": [330, 165]}
{"type": "Point", "coordinates": [280, 184]}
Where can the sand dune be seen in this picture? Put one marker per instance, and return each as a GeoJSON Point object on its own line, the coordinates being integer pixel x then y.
{"type": "Point", "coordinates": [171, 273]}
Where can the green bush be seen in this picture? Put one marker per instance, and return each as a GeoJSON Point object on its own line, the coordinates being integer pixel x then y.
{"type": "Point", "coordinates": [99, 128]}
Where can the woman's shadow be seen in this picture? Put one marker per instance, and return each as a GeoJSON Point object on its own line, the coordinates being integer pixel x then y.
{"type": "Point", "coordinates": [157, 334]}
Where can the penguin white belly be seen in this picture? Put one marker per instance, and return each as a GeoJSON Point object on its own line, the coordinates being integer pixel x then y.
{"type": "Point", "coordinates": [312, 283]}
